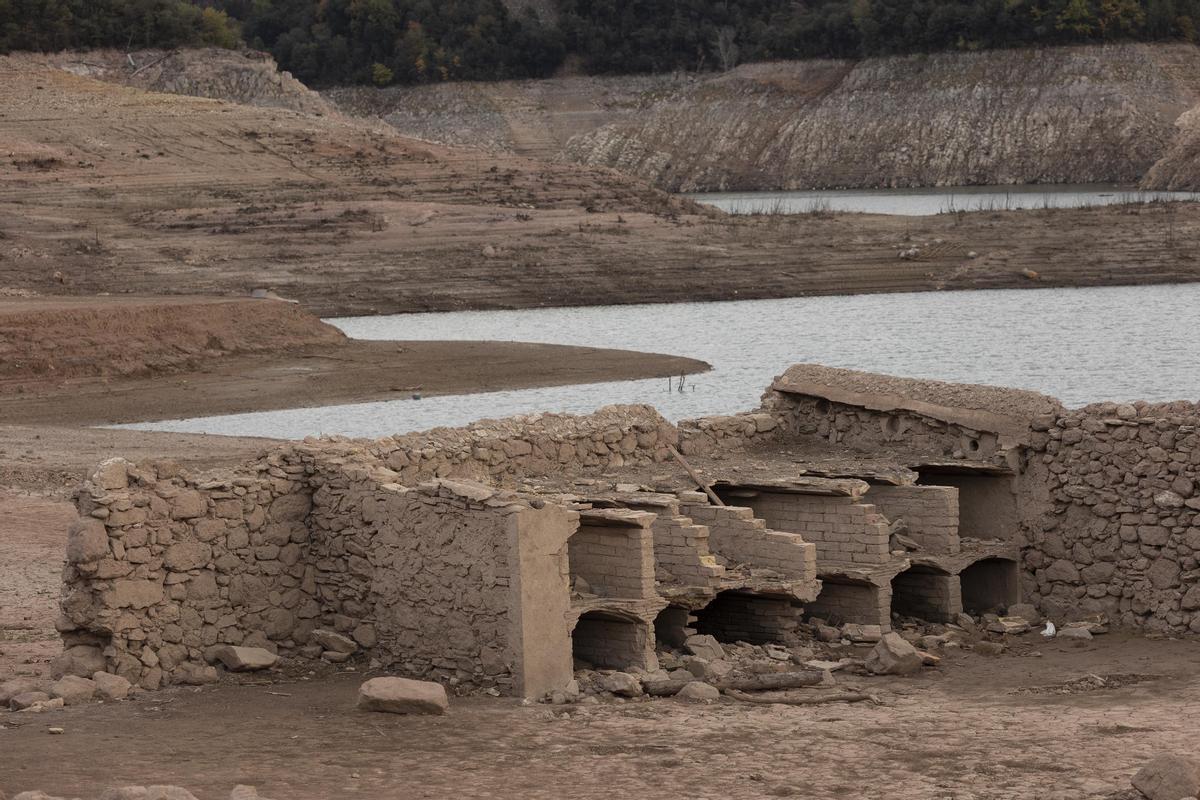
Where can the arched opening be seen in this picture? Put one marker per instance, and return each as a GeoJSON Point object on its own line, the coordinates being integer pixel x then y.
{"type": "Point", "coordinates": [925, 593]}
{"type": "Point", "coordinates": [608, 640]}
{"type": "Point", "coordinates": [742, 617]}
{"type": "Point", "coordinates": [670, 626]}
{"type": "Point", "coordinates": [991, 585]}
{"type": "Point", "coordinates": [843, 600]}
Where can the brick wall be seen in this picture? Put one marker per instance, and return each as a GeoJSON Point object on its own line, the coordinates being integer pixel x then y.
{"type": "Point", "coordinates": [931, 513]}
{"type": "Point", "coordinates": [842, 529]}
{"type": "Point", "coordinates": [615, 560]}
{"type": "Point", "coordinates": [737, 535]}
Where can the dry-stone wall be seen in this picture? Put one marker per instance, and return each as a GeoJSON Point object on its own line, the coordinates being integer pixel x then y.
{"type": "Point", "coordinates": [1120, 532]}
{"type": "Point", "coordinates": [161, 566]}
{"type": "Point", "coordinates": [494, 450]}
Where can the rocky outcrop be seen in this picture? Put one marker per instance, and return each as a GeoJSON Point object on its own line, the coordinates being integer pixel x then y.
{"type": "Point", "coordinates": [1025, 116]}
{"type": "Point", "coordinates": [248, 77]}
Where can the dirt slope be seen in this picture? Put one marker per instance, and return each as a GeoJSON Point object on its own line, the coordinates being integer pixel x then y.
{"type": "Point", "coordinates": [106, 188]}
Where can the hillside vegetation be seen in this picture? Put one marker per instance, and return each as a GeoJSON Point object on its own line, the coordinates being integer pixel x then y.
{"type": "Point", "coordinates": [326, 42]}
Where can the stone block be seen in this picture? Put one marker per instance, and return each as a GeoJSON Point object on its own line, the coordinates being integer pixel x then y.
{"type": "Point", "coordinates": [74, 690]}
{"type": "Point", "coordinates": [403, 696]}
{"type": "Point", "coordinates": [699, 692]}
{"type": "Point", "coordinates": [892, 655]}
{"type": "Point", "coordinates": [244, 659]}
{"type": "Point", "coordinates": [87, 541]}
{"type": "Point", "coordinates": [1169, 777]}
{"type": "Point", "coordinates": [111, 687]}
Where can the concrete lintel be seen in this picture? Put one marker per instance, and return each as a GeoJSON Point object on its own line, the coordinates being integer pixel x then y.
{"type": "Point", "coordinates": [616, 518]}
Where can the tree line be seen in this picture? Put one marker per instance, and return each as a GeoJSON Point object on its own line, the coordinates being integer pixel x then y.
{"type": "Point", "coordinates": [326, 42]}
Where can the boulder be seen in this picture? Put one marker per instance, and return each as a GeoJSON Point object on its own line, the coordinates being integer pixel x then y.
{"type": "Point", "coordinates": [892, 655]}
{"type": "Point", "coordinates": [74, 690]}
{"type": "Point", "coordinates": [111, 687]}
{"type": "Point", "coordinates": [332, 640]}
{"type": "Point", "coordinates": [87, 541]}
{"type": "Point", "coordinates": [622, 684]}
{"type": "Point", "coordinates": [111, 474]}
{"type": "Point", "coordinates": [1025, 611]}
{"type": "Point", "coordinates": [404, 696]}
{"type": "Point", "coordinates": [1169, 777]}
{"type": "Point", "coordinates": [148, 793]}
{"type": "Point", "coordinates": [245, 659]}
{"type": "Point", "coordinates": [12, 688]}
{"type": "Point", "coordinates": [699, 692]}
{"type": "Point", "coordinates": [25, 700]}
{"type": "Point", "coordinates": [82, 660]}
{"type": "Point", "coordinates": [704, 646]}
{"type": "Point", "coordinates": [1075, 633]}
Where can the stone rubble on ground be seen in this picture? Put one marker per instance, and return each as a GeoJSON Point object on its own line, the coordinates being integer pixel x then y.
{"type": "Point", "coordinates": [1169, 777]}
{"type": "Point", "coordinates": [402, 696]}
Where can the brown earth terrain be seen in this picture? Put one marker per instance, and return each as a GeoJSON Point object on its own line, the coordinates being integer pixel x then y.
{"type": "Point", "coordinates": [107, 188]}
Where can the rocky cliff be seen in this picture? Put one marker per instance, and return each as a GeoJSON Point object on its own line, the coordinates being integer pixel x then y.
{"type": "Point", "coordinates": [1064, 115]}
{"type": "Point", "coordinates": [1068, 115]}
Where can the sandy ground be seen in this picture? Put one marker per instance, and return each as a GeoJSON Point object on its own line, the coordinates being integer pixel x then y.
{"type": "Point", "coordinates": [969, 730]}
{"type": "Point", "coordinates": [113, 189]}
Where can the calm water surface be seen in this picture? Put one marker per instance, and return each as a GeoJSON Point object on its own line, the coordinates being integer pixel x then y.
{"type": "Point", "coordinates": [1080, 345]}
{"type": "Point", "coordinates": [920, 202]}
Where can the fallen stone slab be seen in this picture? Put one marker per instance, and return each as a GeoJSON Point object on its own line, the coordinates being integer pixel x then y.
{"type": "Point", "coordinates": [1011, 626]}
{"type": "Point", "coordinates": [1169, 777]}
{"type": "Point", "coordinates": [404, 696]}
{"type": "Point", "coordinates": [699, 692]}
{"type": "Point", "coordinates": [74, 690]}
{"type": "Point", "coordinates": [245, 659]}
{"type": "Point", "coordinates": [862, 633]}
{"type": "Point", "coordinates": [704, 646]}
{"type": "Point", "coordinates": [892, 655]}
{"type": "Point", "coordinates": [334, 641]}
{"type": "Point", "coordinates": [111, 687]}
{"type": "Point", "coordinates": [81, 660]}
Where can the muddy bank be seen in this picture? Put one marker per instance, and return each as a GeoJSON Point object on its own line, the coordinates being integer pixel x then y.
{"type": "Point", "coordinates": [351, 372]}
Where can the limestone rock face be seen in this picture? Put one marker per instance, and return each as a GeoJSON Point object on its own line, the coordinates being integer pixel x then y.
{"type": "Point", "coordinates": [894, 656]}
{"type": "Point", "coordinates": [1169, 777]}
{"type": "Point", "coordinates": [402, 696]}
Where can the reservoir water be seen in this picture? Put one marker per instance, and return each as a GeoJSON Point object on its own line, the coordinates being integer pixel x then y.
{"type": "Point", "coordinates": [1080, 345]}
{"type": "Point", "coordinates": [925, 201]}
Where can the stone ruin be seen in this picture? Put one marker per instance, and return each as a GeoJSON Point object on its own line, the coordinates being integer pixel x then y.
{"type": "Point", "coordinates": [500, 555]}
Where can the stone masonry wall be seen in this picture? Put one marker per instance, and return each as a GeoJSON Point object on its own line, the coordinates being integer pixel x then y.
{"type": "Point", "coordinates": [496, 450]}
{"type": "Point", "coordinates": [161, 566]}
{"type": "Point", "coordinates": [1119, 532]}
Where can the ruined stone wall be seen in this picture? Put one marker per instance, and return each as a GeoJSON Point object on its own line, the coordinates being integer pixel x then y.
{"type": "Point", "coordinates": [681, 548]}
{"type": "Point", "coordinates": [161, 566]}
{"type": "Point", "coordinates": [424, 577]}
{"type": "Point", "coordinates": [744, 618]}
{"type": "Point", "coordinates": [931, 513]}
{"type": "Point", "coordinates": [741, 538]}
{"type": "Point", "coordinates": [1120, 532]}
{"type": "Point", "coordinates": [500, 450]}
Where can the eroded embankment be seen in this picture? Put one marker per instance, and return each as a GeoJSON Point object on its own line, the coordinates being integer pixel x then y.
{"type": "Point", "coordinates": [1050, 115]}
